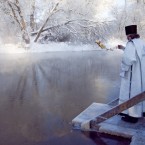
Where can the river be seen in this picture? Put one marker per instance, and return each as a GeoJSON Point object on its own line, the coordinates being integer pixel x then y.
{"type": "Point", "coordinates": [40, 93]}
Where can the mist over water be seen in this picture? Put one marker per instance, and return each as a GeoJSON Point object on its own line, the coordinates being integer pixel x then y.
{"type": "Point", "coordinates": [41, 93]}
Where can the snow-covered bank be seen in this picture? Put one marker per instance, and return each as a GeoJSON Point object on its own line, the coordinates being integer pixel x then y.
{"type": "Point", "coordinates": [54, 47]}
{"type": "Point", "coordinates": [51, 47]}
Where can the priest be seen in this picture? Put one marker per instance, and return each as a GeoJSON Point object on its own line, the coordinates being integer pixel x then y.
{"type": "Point", "coordinates": [132, 74]}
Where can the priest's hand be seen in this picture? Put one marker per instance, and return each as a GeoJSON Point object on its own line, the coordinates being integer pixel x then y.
{"type": "Point", "coordinates": [121, 47]}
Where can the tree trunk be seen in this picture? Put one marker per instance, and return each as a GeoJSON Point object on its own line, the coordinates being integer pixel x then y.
{"type": "Point", "coordinates": [32, 19]}
{"type": "Point", "coordinates": [17, 14]}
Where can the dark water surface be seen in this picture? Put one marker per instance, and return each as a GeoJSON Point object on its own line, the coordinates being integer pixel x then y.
{"type": "Point", "coordinates": [41, 93]}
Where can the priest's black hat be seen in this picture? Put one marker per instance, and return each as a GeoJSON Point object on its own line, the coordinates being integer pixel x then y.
{"type": "Point", "coordinates": [131, 29]}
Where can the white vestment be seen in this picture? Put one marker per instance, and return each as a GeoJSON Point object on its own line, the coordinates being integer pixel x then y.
{"type": "Point", "coordinates": [133, 83]}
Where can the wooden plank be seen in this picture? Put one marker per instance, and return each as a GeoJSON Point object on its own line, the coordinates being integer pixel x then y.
{"type": "Point", "coordinates": [117, 109]}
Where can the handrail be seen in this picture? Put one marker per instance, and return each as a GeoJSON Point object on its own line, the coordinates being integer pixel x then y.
{"type": "Point", "coordinates": [117, 109]}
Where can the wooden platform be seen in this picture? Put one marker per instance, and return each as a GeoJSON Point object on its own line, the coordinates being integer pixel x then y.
{"type": "Point", "coordinates": [95, 109]}
{"type": "Point", "coordinates": [114, 125]}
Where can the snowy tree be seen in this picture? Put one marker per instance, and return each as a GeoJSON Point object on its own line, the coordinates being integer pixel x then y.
{"type": "Point", "coordinates": [54, 9]}
{"type": "Point", "coordinates": [132, 12]}
{"type": "Point", "coordinates": [70, 20]}
{"type": "Point", "coordinates": [74, 19]}
{"type": "Point", "coordinates": [12, 8]}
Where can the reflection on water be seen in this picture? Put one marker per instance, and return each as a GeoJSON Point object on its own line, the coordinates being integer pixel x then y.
{"type": "Point", "coordinates": [41, 93]}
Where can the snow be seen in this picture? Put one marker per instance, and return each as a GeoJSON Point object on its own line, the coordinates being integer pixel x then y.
{"type": "Point", "coordinates": [56, 47]}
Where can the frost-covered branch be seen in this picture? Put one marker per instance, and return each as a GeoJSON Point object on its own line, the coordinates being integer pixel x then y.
{"type": "Point", "coordinates": [72, 21]}
{"type": "Point", "coordinates": [50, 14]}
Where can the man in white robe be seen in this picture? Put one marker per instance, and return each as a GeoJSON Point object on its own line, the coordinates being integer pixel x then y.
{"type": "Point", "coordinates": [132, 74]}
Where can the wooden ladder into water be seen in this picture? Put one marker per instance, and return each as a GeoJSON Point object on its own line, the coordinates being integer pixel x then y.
{"type": "Point", "coordinates": [116, 110]}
